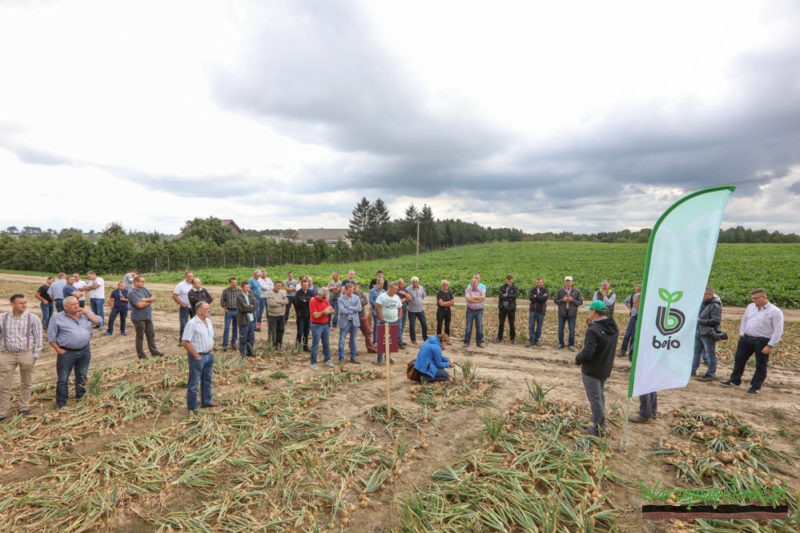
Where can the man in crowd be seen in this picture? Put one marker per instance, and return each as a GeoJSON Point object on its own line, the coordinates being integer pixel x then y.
{"type": "Point", "coordinates": [444, 306]}
{"type": "Point", "coordinates": [351, 277]}
{"type": "Point", "coordinates": [475, 297]}
{"type": "Point", "coordinates": [632, 303]}
{"type": "Point", "coordinates": [291, 286]}
{"type": "Point", "coordinates": [507, 303]}
{"type": "Point", "coordinates": [760, 331]}
{"type": "Point", "coordinates": [97, 294]}
{"type": "Point", "coordinates": [228, 303]}
{"type": "Point", "coordinates": [246, 305]}
{"type": "Point", "coordinates": [416, 310]}
{"type": "Point", "coordinates": [538, 296]}
{"type": "Point", "coordinates": [69, 335]}
{"type": "Point", "coordinates": [568, 299]}
{"type": "Point", "coordinates": [481, 286]}
{"type": "Point", "coordinates": [56, 292]}
{"type": "Point", "coordinates": [389, 308]}
{"type": "Point", "coordinates": [45, 300]}
{"type": "Point", "coordinates": [321, 311]}
{"type": "Point", "coordinates": [378, 275]}
{"type": "Point", "coordinates": [302, 298]}
{"type": "Point", "coordinates": [708, 321]}
{"type": "Point", "coordinates": [198, 293]}
{"type": "Point", "coordinates": [363, 321]}
{"type": "Point", "coordinates": [141, 301]}
{"type": "Point", "coordinates": [119, 306]}
{"type": "Point", "coordinates": [266, 287]}
{"type": "Point", "coordinates": [198, 340]}
{"type": "Point", "coordinates": [180, 295]}
{"type": "Point", "coordinates": [374, 292]}
{"type": "Point", "coordinates": [20, 346]}
{"type": "Point", "coordinates": [606, 295]}
{"type": "Point", "coordinates": [255, 292]}
{"type": "Point", "coordinates": [276, 307]}
{"type": "Point", "coordinates": [310, 284]}
{"type": "Point", "coordinates": [596, 359]}
{"type": "Point", "coordinates": [334, 291]}
{"type": "Point", "coordinates": [129, 277]}
{"type": "Point", "coordinates": [80, 286]}
{"type": "Point", "coordinates": [71, 289]}
{"type": "Point", "coordinates": [349, 309]}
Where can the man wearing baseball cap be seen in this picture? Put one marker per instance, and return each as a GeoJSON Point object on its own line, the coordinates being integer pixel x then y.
{"type": "Point", "coordinates": [596, 359]}
{"type": "Point", "coordinates": [568, 299]}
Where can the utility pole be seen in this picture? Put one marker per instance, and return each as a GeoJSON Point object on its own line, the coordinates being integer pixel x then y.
{"type": "Point", "coordinates": [417, 246]}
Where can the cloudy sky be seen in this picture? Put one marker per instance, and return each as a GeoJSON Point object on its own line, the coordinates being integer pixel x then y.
{"type": "Point", "coordinates": [579, 116]}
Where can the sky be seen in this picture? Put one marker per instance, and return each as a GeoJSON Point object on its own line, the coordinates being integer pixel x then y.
{"type": "Point", "coordinates": [578, 116]}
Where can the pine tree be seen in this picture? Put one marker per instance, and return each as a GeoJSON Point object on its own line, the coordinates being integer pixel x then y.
{"type": "Point", "coordinates": [380, 221]}
{"type": "Point", "coordinates": [361, 222]}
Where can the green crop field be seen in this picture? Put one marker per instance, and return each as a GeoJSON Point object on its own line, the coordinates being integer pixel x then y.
{"type": "Point", "coordinates": [738, 268]}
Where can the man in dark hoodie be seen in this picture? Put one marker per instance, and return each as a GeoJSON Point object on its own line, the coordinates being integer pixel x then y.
{"type": "Point", "coordinates": [596, 359]}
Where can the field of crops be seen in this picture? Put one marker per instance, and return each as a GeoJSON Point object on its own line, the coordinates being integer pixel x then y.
{"type": "Point", "coordinates": [738, 268]}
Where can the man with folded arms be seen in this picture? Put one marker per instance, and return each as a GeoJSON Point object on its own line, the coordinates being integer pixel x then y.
{"type": "Point", "coordinates": [349, 308]}
{"type": "Point", "coordinates": [198, 340]}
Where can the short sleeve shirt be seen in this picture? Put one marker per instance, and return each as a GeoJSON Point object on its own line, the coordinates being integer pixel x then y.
{"type": "Point", "coordinates": [390, 306]}
{"type": "Point", "coordinates": [135, 296]}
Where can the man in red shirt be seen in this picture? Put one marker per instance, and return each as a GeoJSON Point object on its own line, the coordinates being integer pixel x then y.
{"type": "Point", "coordinates": [320, 310]}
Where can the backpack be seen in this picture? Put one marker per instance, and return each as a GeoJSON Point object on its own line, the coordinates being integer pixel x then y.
{"type": "Point", "coordinates": [411, 372]}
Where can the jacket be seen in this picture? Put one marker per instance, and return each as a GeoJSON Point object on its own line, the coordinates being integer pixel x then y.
{"type": "Point", "coordinates": [538, 297]}
{"type": "Point", "coordinates": [430, 357]}
{"type": "Point", "coordinates": [507, 297]}
{"type": "Point", "coordinates": [199, 295]}
{"type": "Point", "coordinates": [301, 301]}
{"type": "Point", "coordinates": [710, 317]}
{"type": "Point", "coordinates": [277, 302]}
{"type": "Point", "coordinates": [244, 309]}
{"type": "Point", "coordinates": [568, 308]}
{"type": "Point", "coordinates": [599, 344]}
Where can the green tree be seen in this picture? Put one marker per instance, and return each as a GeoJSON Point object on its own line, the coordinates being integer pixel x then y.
{"type": "Point", "coordinates": [379, 215]}
{"type": "Point", "coordinates": [361, 222]}
{"type": "Point", "coordinates": [207, 229]}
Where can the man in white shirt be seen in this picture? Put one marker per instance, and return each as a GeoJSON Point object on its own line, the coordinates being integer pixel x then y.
{"type": "Point", "coordinates": [198, 339]}
{"type": "Point", "coordinates": [97, 295]}
{"type": "Point", "coordinates": [180, 295]}
{"type": "Point", "coordinates": [760, 330]}
{"type": "Point", "coordinates": [389, 309]}
{"type": "Point", "coordinates": [79, 285]}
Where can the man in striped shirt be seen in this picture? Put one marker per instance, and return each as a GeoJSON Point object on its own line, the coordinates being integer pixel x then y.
{"type": "Point", "coordinates": [198, 340]}
{"type": "Point", "coordinates": [20, 345]}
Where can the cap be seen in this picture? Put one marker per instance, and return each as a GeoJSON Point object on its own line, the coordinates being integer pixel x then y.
{"type": "Point", "coordinates": [598, 307]}
{"type": "Point", "coordinates": [568, 278]}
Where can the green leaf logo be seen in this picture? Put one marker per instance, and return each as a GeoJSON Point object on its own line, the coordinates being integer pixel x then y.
{"type": "Point", "coordinates": [670, 321]}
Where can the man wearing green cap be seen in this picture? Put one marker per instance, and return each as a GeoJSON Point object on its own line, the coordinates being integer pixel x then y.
{"type": "Point", "coordinates": [596, 359]}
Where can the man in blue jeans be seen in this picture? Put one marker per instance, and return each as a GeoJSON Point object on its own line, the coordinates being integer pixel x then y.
{"type": "Point", "coordinates": [568, 299]}
{"type": "Point", "coordinates": [475, 297]}
{"type": "Point", "coordinates": [709, 319]}
{"type": "Point", "coordinates": [198, 340]}
{"type": "Point", "coordinates": [349, 322]}
{"type": "Point", "coordinates": [69, 335]}
{"type": "Point", "coordinates": [320, 310]}
{"type": "Point", "coordinates": [228, 304]}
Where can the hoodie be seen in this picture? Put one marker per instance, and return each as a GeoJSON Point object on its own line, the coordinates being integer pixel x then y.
{"type": "Point", "coordinates": [710, 316]}
{"type": "Point", "coordinates": [599, 345]}
{"type": "Point", "coordinates": [430, 357]}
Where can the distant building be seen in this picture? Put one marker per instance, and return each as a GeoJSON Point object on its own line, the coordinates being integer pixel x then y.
{"type": "Point", "coordinates": [329, 235]}
{"type": "Point", "coordinates": [230, 223]}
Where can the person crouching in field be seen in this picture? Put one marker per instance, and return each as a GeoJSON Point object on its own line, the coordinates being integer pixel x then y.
{"type": "Point", "coordinates": [431, 362]}
{"type": "Point", "coordinates": [596, 359]}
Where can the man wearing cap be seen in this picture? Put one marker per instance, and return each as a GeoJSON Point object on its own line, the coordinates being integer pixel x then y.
{"type": "Point", "coordinates": [568, 299]}
{"type": "Point", "coordinates": [596, 359]}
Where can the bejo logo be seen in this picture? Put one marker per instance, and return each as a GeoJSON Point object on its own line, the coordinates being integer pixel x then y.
{"type": "Point", "coordinates": [668, 319]}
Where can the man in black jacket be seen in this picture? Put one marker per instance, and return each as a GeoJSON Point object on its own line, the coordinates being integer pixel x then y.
{"type": "Point", "coordinates": [301, 310]}
{"type": "Point", "coordinates": [596, 359]}
{"type": "Point", "coordinates": [538, 296]}
{"type": "Point", "coordinates": [507, 302]}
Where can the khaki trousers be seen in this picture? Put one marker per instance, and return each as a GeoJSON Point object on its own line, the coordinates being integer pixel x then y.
{"type": "Point", "coordinates": [8, 367]}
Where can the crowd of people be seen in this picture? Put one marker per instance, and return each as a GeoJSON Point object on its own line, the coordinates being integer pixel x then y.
{"type": "Point", "coordinates": [344, 305]}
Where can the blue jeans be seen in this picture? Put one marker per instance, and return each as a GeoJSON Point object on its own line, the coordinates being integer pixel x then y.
{"type": "Point", "coordinates": [47, 312]}
{"type": "Point", "coordinates": [535, 321]}
{"type": "Point", "coordinates": [97, 308]}
{"type": "Point", "coordinates": [59, 305]}
{"type": "Point", "coordinates": [65, 363]}
{"type": "Point", "coordinates": [412, 324]}
{"type": "Point", "coordinates": [303, 325]}
{"type": "Point", "coordinates": [183, 316]}
{"type": "Point", "coordinates": [345, 329]}
{"type": "Point", "coordinates": [123, 314]}
{"type": "Point", "coordinates": [705, 344]}
{"type": "Point", "coordinates": [230, 319]}
{"type": "Point", "coordinates": [402, 327]}
{"type": "Point", "coordinates": [375, 322]}
{"type": "Point", "coordinates": [570, 321]}
{"type": "Point", "coordinates": [474, 316]}
{"type": "Point", "coordinates": [335, 317]}
{"type": "Point", "coordinates": [630, 333]}
{"type": "Point", "coordinates": [648, 405]}
{"type": "Point", "coordinates": [320, 331]}
{"type": "Point", "coordinates": [262, 304]}
{"type": "Point", "coordinates": [200, 372]}
{"type": "Point", "coordinates": [247, 338]}
{"type": "Point", "coordinates": [441, 375]}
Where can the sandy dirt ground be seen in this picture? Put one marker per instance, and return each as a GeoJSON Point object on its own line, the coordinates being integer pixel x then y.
{"type": "Point", "coordinates": [774, 412]}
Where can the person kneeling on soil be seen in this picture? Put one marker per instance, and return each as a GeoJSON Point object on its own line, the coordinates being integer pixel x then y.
{"type": "Point", "coordinates": [431, 362]}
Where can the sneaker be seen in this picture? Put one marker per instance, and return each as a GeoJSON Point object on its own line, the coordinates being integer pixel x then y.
{"type": "Point", "coordinates": [373, 350]}
{"type": "Point", "coordinates": [497, 341]}
{"type": "Point", "coordinates": [329, 363]}
{"type": "Point", "coordinates": [124, 334]}
{"type": "Point", "coordinates": [180, 345]}
{"type": "Point", "coordinates": [531, 344]}
{"type": "Point", "coordinates": [355, 361]}
{"type": "Point", "coordinates": [705, 378]}
{"type": "Point", "coordinates": [142, 356]}
{"type": "Point", "coordinates": [379, 362]}
{"type": "Point", "coordinates": [513, 341]}
{"type": "Point", "coordinates": [209, 405]}
{"type": "Point", "coordinates": [306, 349]}
{"type": "Point", "coordinates": [728, 383]}
{"type": "Point", "coordinates": [482, 345]}
{"type": "Point", "coordinates": [571, 348]}
{"type": "Point", "coordinates": [314, 366]}
{"type": "Point", "coordinates": [638, 419]}
{"type": "Point", "coordinates": [107, 334]}
{"type": "Point", "coordinates": [158, 354]}
{"type": "Point", "coordinates": [466, 345]}
{"type": "Point", "coordinates": [751, 391]}
{"type": "Point", "coordinates": [561, 346]}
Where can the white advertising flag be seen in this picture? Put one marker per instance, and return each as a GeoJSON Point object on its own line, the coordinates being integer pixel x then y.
{"type": "Point", "coordinates": [677, 266]}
